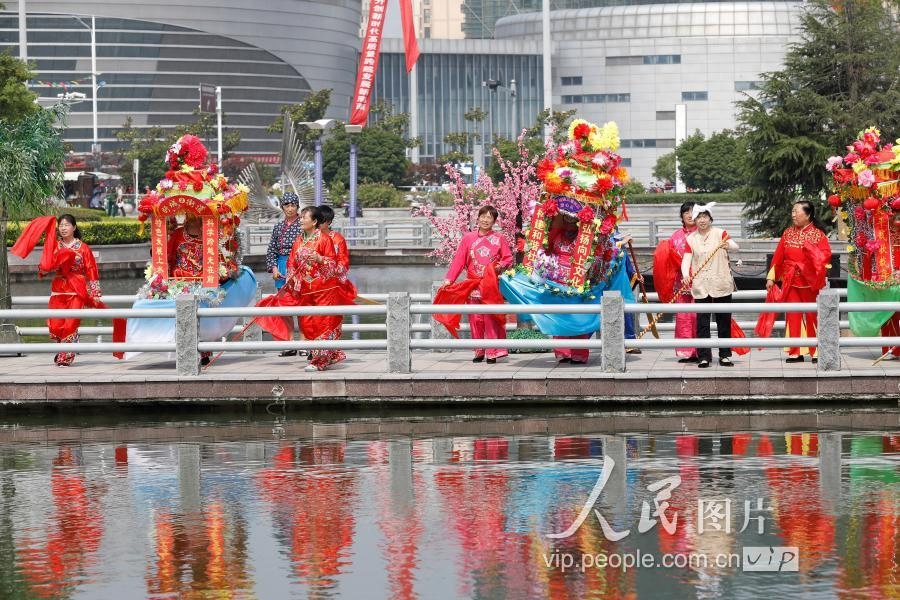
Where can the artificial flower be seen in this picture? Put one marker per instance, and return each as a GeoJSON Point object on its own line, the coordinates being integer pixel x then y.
{"type": "Point", "coordinates": [834, 162]}
{"type": "Point", "coordinates": [866, 178]}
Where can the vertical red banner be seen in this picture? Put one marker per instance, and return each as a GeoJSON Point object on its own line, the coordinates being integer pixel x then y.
{"type": "Point", "coordinates": [210, 252]}
{"type": "Point", "coordinates": [536, 236]}
{"type": "Point", "coordinates": [159, 246]}
{"type": "Point", "coordinates": [368, 63]}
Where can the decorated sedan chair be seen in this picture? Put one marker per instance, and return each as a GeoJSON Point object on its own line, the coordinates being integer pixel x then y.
{"type": "Point", "coordinates": [572, 251]}
{"type": "Point", "coordinates": [866, 201]}
{"type": "Point", "coordinates": [194, 214]}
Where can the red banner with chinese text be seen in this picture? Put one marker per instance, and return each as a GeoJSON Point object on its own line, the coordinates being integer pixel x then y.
{"type": "Point", "coordinates": [536, 236]}
{"type": "Point", "coordinates": [368, 63]}
{"type": "Point", "coordinates": [580, 254]}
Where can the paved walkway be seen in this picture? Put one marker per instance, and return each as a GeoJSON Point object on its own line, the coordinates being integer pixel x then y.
{"type": "Point", "coordinates": [448, 377]}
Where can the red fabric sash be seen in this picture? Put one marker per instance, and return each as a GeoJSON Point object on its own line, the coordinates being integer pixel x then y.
{"type": "Point", "coordinates": [458, 293]}
{"type": "Point", "coordinates": [737, 332]}
{"type": "Point", "coordinates": [663, 273]}
{"type": "Point", "coordinates": [30, 237]}
{"type": "Point", "coordinates": [766, 321]}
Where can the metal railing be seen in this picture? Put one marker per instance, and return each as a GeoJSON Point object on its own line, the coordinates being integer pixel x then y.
{"type": "Point", "coordinates": [418, 233]}
{"type": "Point", "coordinates": [399, 340]}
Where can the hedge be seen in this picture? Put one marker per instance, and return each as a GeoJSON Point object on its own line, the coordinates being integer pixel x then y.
{"type": "Point", "coordinates": [96, 233]}
{"type": "Point", "coordinates": [81, 214]}
{"type": "Point", "coordinates": [734, 196]}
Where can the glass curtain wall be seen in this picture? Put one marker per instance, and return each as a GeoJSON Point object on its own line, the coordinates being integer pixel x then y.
{"type": "Point", "coordinates": [450, 85]}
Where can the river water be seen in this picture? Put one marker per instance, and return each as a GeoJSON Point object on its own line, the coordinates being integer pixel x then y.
{"type": "Point", "coordinates": [280, 508]}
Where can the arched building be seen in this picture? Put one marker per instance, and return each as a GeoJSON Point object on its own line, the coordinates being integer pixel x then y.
{"type": "Point", "coordinates": [152, 56]}
{"type": "Point", "coordinates": [634, 64]}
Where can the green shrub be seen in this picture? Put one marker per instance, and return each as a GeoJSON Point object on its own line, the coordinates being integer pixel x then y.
{"type": "Point", "coordinates": [97, 232]}
{"type": "Point", "coordinates": [81, 214]}
{"type": "Point", "coordinates": [526, 334]}
{"type": "Point", "coordinates": [379, 195]}
{"type": "Point", "coordinates": [735, 196]}
{"type": "Point", "coordinates": [441, 198]}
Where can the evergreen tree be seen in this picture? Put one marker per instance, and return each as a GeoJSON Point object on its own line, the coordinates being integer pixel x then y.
{"type": "Point", "coordinates": [711, 165]}
{"type": "Point", "coordinates": [843, 76]}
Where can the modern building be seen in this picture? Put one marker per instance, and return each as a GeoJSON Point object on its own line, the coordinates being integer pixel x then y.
{"type": "Point", "coordinates": [635, 64]}
{"type": "Point", "coordinates": [501, 77]}
{"type": "Point", "coordinates": [152, 57]}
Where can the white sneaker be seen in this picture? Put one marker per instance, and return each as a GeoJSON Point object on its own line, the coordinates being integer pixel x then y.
{"type": "Point", "coordinates": [310, 368]}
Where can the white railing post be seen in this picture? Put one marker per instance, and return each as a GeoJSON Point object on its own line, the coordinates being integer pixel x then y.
{"type": "Point", "coordinates": [612, 332]}
{"type": "Point", "coordinates": [382, 235]}
{"type": "Point", "coordinates": [254, 331]}
{"type": "Point", "coordinates": [829, 330]}
{"type": "Point", "coordinates": [652, 232]}
{"type": "Point", "coordinates": [187, 333]}
{"type": "Point", "coordinates": [438, 331]}
{"type": "Point", "coordinates": [399, 355]}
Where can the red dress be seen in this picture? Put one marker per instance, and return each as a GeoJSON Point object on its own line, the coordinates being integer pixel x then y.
{"type": "Point", "coordinates": [800, 261]}
{"type": "Point", "coordinates": [312, 283]}
{"type": "Point", "coordinates": [477, 255]}
{"type": "Point", "coordinates": [76, 285]}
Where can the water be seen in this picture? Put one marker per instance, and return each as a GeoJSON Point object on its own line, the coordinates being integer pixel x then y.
{"type": "Point", "coordinates": [294, 509]}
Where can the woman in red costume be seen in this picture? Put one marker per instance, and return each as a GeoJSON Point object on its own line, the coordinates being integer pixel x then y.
{"type": "Point", "coordinates": [76, 283]}
{"type": "Point", "coordinates": [562, 245]}
{"type": "Point", "coordinates": [482, 253]}
{"type": "Point", "coordinates": [667, 280]}
{"type": "Point", "coordinates": [314, 278]}
{"type": "Point", "coordinates": [800, 261]}
{"type": "Point", "coordinates": [186, 249]}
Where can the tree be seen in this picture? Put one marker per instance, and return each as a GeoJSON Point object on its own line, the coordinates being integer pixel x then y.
{"type": "Point", "coordinates": [32, 159]}
{"type": "Point", "coordinates": [381, 157]}
{"type": "Point", "coordinates": [664, 170]}
{"type": "Point", "coordinates": [313, 108]}
{"type": "Point", "coordinates": [532, 138]}
{"type": "Point", "coordinates": [842, 77]}
{"type": "Point", "coordinates": [149, 146]}
{"type": "Point", "coordinates": [713, 165]}
{"type": "Point", "coordinates": [16, 101]}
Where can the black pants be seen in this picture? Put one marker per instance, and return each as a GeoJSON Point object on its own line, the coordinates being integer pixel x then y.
{"type": "Point", "coordinates": [723, 323]}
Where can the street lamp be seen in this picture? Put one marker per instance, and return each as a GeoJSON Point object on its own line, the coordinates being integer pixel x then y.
{"type": "Point", "coordinates": [318, 125]}
{"type": "Point", "coordinates": [352, 132]}
{"type": "Point", "coordinates": [95, 145]}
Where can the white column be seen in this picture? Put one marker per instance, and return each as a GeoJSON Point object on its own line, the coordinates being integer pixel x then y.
{"type": "Point", "coordinates": [23, 32]}
{"type": "Point", "coordinates": [680, 134]}
{"type": "Point", "coordinates": [414, 112]}
{"type": "Point", "coordinates": [548, 80]}
{"type": "Point", "coordinates": [219, 124]}
{"type": "Point", "coordinates": [95, 147]}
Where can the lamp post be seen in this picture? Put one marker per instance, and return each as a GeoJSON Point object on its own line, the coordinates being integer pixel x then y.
{"type": "Point", "coordinates": [95, 143]}
{"type": "Point", "coordinates": [318, 125]}
{"type": "Point", "coordinates": [352, 132]}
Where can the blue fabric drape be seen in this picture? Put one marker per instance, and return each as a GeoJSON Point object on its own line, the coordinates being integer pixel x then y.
{"type": "Point", "coordinates": [519, 289]}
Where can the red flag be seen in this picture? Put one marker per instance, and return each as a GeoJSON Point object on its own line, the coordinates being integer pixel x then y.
{"type": "Point", "coordinates": [368, 63]}
{"type": "Point", "coordinates": [410, 44]}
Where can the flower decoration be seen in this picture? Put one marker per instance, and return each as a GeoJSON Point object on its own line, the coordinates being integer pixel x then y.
{"type": "Point", "coordinates": [586, 214]}
{"type": "Point", "coordinates": [867, 179]}
{"type": "Point", "coordinates": [187, 151]}
{"type": "Point", "coordinates": [551, 208]}
{"type": "Point", "coordinates": [586, 167]}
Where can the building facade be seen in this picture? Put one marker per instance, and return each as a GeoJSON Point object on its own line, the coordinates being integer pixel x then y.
{"type": "Point", "coordinates": [634, 64]}
{"type": "Point", "coordinates": [151, 58]}
{"type": "Point", "coordinates": [454, 76]}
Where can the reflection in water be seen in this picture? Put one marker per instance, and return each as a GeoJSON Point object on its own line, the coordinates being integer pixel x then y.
{"type": "Point", "coordinates": [312, 498]}
{"type": "Point", "coordinates": [55, 557]}
{"type": "Point", "coordinates": [465, 517]}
